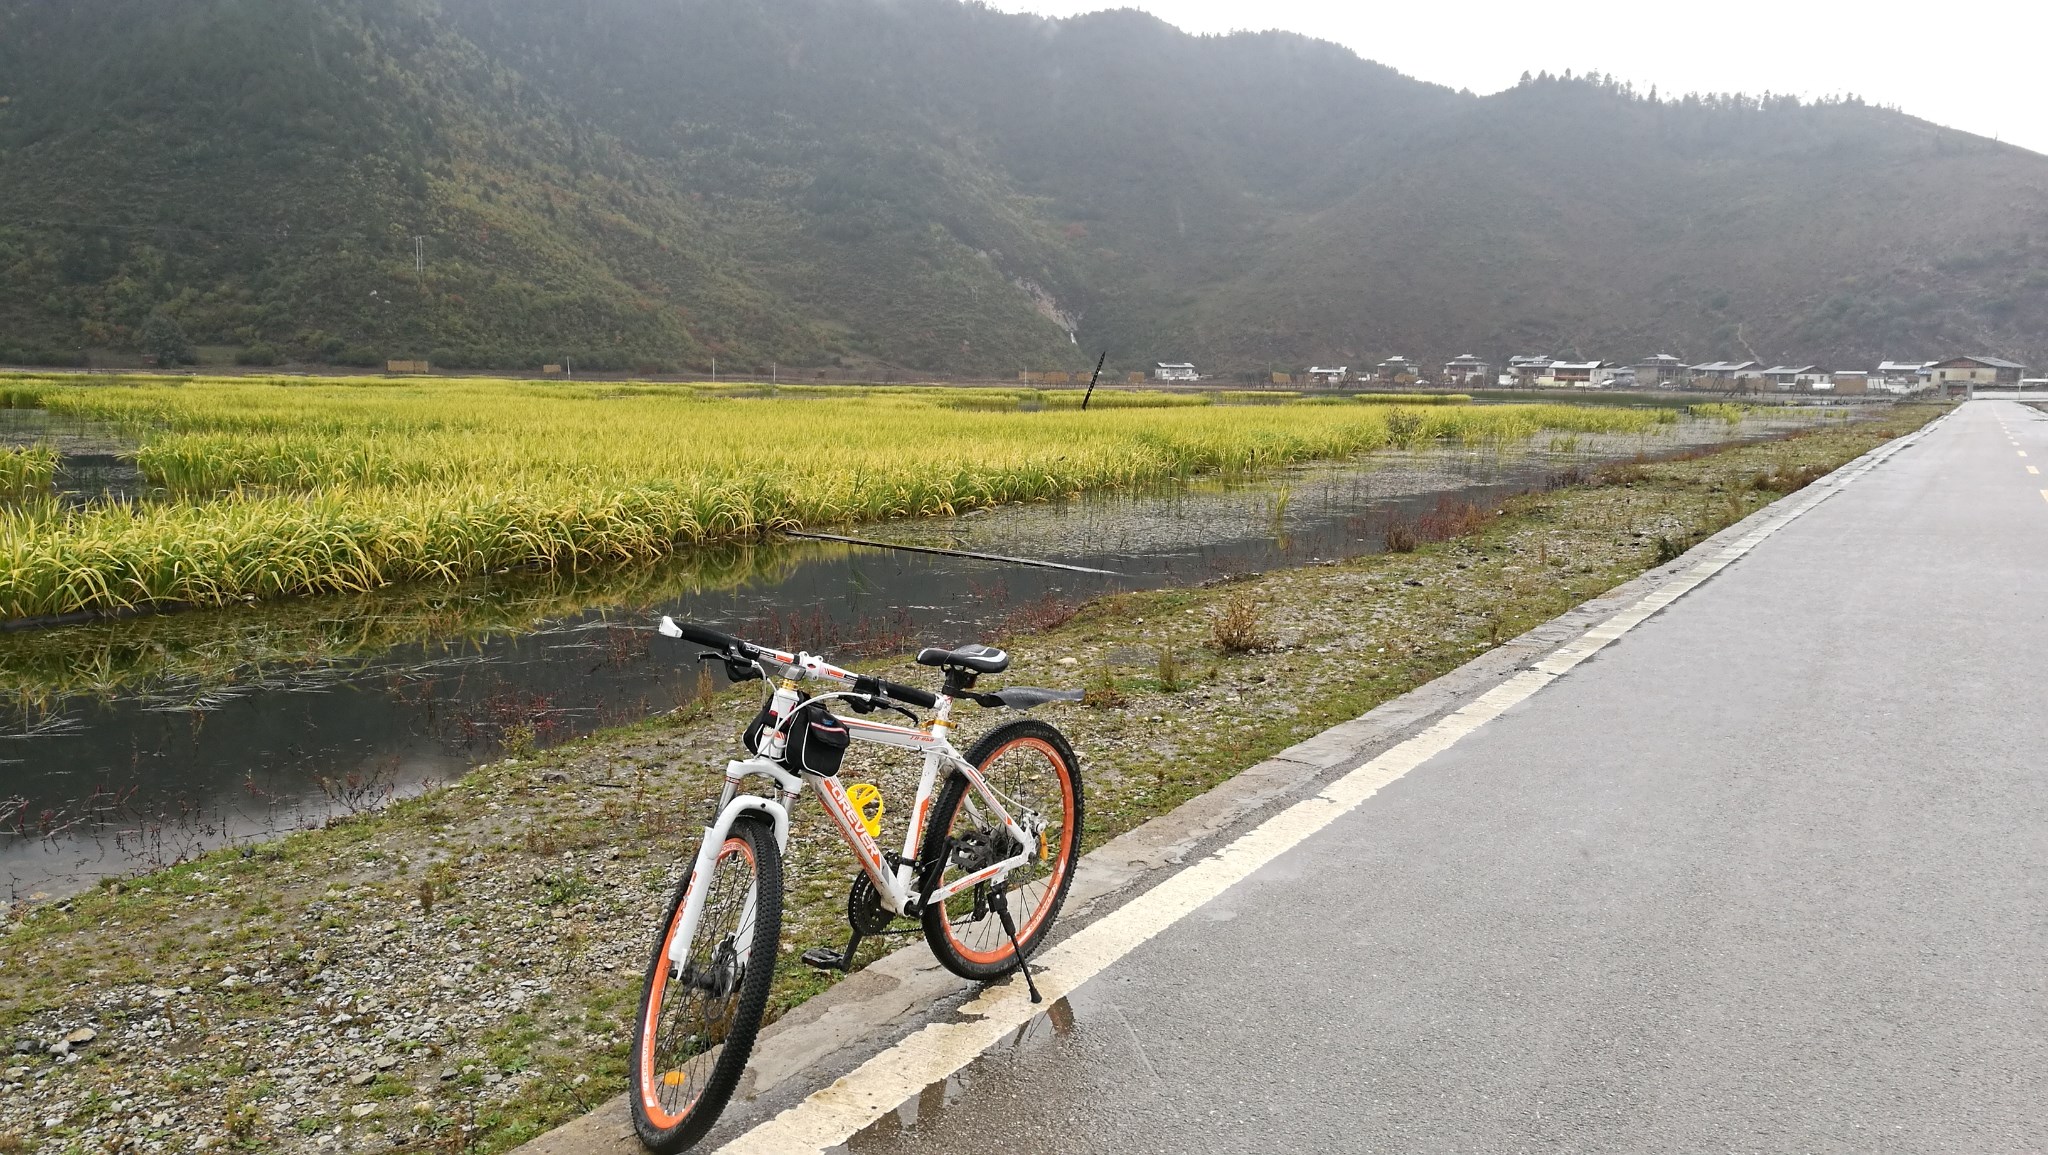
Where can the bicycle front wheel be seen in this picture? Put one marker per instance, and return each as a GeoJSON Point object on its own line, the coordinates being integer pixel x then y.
{"type": "Point", "coordinates": [698, 1017]}
{"type": "Point", "coordinates": [1034, 774]}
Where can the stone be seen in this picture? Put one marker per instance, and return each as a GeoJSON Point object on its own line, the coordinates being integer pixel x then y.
{"type": "Point", "coordinates": [448, 1073]}
{"type": "Point", "coordinates": [81, 1036]}
{"type": "Point", "coordinates": [16, 1074]}
{"type": "Point", "coordinates": [363, 1110]}
{"type": "Point", "coordinates": [1069, 662]}
{"type": "Point", "coordinates": [161, 992]}
{"type": "Point", "coordinates": [386, 1062]}
{"type": "Point", "coordinates": [27, 1047]}
{"type": "Point", "coordinates": [60, 1048]}
{"type": "Point", "coordinates": [362, 1078]}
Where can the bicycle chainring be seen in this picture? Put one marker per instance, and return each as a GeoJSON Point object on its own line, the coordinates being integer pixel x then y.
{"type": "Point", "coordinates": [864, 911]}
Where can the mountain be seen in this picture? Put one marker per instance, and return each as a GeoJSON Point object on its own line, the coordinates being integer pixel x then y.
{"type": "Point", "coordinates": [932, 186]}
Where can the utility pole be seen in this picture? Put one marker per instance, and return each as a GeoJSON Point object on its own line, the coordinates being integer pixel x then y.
{"type": "Point", "coordinates": [774, 373]}
{"type": "Point", "coordinates": [1092, 379]}
{"type": "Point", "coordinates": [419, 261]}
{"type": "Point", "coordinates": [714, 370]}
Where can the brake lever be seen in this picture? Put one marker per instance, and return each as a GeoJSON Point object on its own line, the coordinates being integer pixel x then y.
{"type": "Point", "coordinates": [736, 671]}
{"type": "Point", "coordinates": [877, 702]}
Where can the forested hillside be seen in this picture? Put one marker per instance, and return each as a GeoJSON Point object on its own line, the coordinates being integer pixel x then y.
{"type": "Point", "coordinates": [930, 185]}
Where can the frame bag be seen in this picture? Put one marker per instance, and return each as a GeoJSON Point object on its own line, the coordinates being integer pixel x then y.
{"type": "Point", "coordinates": [817, 742]}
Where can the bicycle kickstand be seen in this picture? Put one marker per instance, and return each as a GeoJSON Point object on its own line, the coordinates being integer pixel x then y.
{"type": "Point", "coordinates": [1000, 902]}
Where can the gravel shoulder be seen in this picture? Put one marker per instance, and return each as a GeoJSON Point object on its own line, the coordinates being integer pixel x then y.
{"type": "Point", "coordinates": [456, 972]}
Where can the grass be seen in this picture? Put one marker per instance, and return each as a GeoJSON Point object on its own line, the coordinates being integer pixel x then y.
{"type": "Point", "coordinates": [1180, 713]}
{"type": "Point", "coordinates": [26, 471]}
{"type": "Point", "coordinates": [286, 487]}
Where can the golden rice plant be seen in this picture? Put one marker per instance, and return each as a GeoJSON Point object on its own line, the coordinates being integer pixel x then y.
{"type": "Point", "coordinates": [292, 486]}
{"type": "Point", "coordinates": [26, 470]}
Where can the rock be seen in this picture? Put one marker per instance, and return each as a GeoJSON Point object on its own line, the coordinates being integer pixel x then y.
{"type": "Point", "coordinates": [60, 1048]}
{"type": "Point", "coordinates": [234, 982]}
{"type": "Point", "coordinates": [362, 1078]}
{"type": "Point", "coordinates": [363, 1110]}
{"type": "Point", "coordinates": [1069, 662]}
{"type": "Point", "coordinates": [161, 992]}
{"type": "Point", "coordinates": [27, 1047]}
{"type": "Point", "coordinates": [81, 1036]}
{"type": "Point", "coordinates": [448, 1073]}
{"type": "Point", "coordinates": [16, 1074]}
{"type": "Point", "coordinates": [554, 776]}
{"type": "Point", "coordinates": [386, 1062]}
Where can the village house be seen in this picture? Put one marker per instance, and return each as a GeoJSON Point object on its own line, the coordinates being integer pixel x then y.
{"type": "Point", "coordinates": [1329, 375]}
{"type": "Point", "coordinates": [1395, 371]}
{"type": "Point", "coordinates": [1900, 376]}
{"type": "Point", "coordinates": [1575, 374]}
{"type": "Point", "coordinates": [1174, 371]}
{"type": "Point", "coordinates": [1465, 369]}
{"type": "Point", "coordinates": [1660, 370]}
{"type": "Point", "coordinates": [1786, 378]}
{"type": "Point", "coordinates": [1525, 370]}
{"type": "Point", "coordinates": [1723, 374]}
{"type": "Point", "coordinates": [1974, 371]}
{"type": "Point", "coordinates": [1851, 382]}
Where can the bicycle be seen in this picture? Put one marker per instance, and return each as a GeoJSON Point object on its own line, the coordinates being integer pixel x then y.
{"type": "Point", "coordinates": [1002, 830]}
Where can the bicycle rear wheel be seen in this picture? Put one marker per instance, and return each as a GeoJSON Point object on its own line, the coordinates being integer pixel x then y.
{"type": "Point", "coordinates": [1030, 767]}
{"type": "Point", "coordinates": [698, 1019]}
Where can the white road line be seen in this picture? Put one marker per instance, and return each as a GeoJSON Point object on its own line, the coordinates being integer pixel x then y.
{"type": "Point", "coordinates": [835, 1114]}
{"type": "Point", "coordinates": [2031, 469]}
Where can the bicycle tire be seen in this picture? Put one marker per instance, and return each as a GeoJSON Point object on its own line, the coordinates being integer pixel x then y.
{"type": "Point", "coordinates": [991, 959]}
{"type": "Point", "coordinates": [668, 1120]}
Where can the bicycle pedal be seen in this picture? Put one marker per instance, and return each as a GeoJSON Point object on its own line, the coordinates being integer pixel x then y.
{"type": "Point", "coordinates": [825, 958]}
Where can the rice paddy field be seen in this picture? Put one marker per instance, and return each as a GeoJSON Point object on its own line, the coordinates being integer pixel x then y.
{"type": "Point", "coordinates": [281, 487]}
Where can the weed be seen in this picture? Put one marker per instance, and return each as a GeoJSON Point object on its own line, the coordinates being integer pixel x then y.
{"type": "Point", "coordinates": [1171, 676]}
{"type": "Point", "coordinates": [1400, 537]}
{"type": "Point", "coordinates": [1238, 628]}
{"type": "Point", "coordinates": [1102, 690]}
{"type": "Point", "coordinates": [1451, 519]}
{"type": "Point", "coordinates": [1047, 613]}
{"type": "Point", "coordinates": [426, 894]}
{"type": "Point", "coordinates": [1667, 549]}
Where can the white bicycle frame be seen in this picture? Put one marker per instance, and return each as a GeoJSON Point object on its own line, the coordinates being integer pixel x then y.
{"type": "Point", "coordinates": [896, 885]}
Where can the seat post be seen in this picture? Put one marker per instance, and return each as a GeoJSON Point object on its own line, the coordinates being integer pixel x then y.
{"type": "Point", "coordinates": [959, 680]}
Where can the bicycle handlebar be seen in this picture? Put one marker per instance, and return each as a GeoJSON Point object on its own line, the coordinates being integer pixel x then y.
{"type": "Point", "coordinates": [727, 644]}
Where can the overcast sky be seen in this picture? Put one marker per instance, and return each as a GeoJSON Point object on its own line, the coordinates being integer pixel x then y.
{"type": "Point", "coordinates": [1977, 65]}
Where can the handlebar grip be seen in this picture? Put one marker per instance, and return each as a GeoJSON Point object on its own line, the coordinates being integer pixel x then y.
{"type": "Point", "coordinates": [708, 638]}
{"type": "Point", "coordinates": [902, 693]}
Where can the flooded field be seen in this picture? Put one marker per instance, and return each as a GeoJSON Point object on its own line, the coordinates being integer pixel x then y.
{"type": "Point", "coordinates": [130, 743]}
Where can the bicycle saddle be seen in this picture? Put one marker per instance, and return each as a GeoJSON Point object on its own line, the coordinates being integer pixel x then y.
{"type": "Point", "coordinates": [980, 659]}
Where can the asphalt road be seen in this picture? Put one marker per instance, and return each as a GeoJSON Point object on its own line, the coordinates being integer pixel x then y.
{"type": "Point", "coordinates": [1766, 874]}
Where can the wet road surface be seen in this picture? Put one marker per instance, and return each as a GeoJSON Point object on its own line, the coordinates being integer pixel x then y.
{"type": "Point", "coordinates": [1766, 874]}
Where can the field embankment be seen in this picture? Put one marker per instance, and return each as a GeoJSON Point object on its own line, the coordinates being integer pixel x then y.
{"type": "Point", "coordinates": [457, 972]}
{"type": "Point", "coordinates": [288, 487]}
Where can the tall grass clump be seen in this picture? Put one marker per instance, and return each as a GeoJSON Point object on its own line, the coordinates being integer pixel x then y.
{"type": "Point", "coordinates": [26, 471]}
{"type": "Point", "coordinates": [301, 487]}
